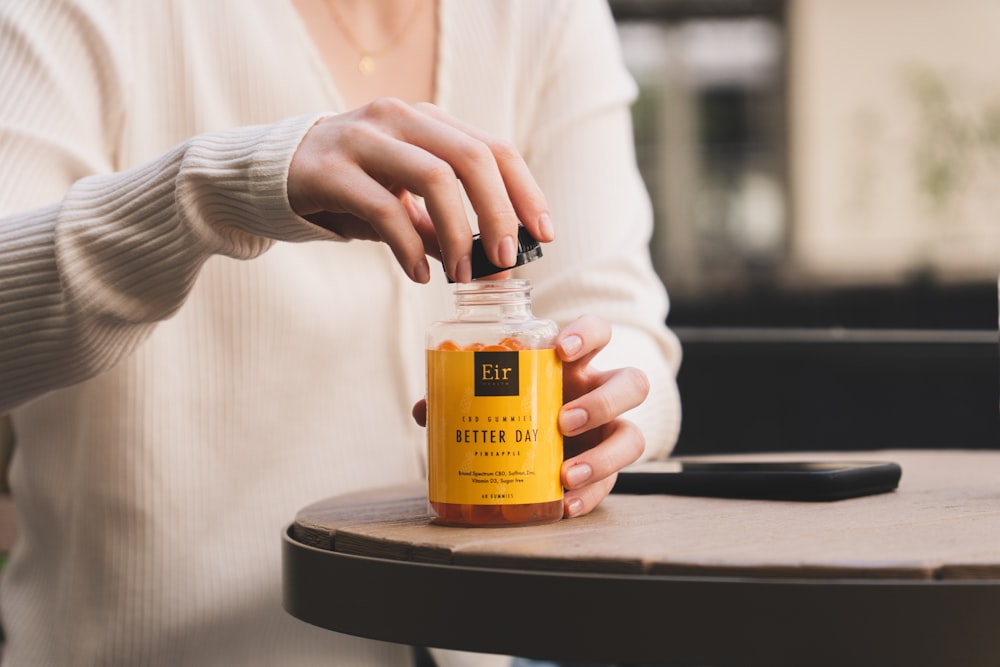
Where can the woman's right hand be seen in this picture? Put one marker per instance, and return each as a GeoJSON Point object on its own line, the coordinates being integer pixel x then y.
{"type": "Point", "coordinates": [360, 174]}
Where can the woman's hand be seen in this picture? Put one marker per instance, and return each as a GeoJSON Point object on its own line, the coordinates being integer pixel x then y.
{"type": "Point", "coordinates": [598, 443]}
{"type": "Point", "coordinates": [356, 174]}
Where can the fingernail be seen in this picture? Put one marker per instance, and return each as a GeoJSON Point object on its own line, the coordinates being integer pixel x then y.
{"type": "Point", "coordinates": [571, 420]}
{"type": "Point", "coordinates": [507, 252]}
{"type": "Point", "coordinates": [545, 227]}
{"type": "Point", "coordinates": [578, 474]}
{"type": "Point", "coordinates": [422, 271]}
{"type": "Point", "coordinates": [574, 507]}
{"type": "Point", "coordinates": [463, 270]}
{"type": "Point", "coordinates": [570, 345]}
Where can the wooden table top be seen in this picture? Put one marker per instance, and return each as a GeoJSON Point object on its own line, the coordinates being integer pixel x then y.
{"type": "Point", "coordinates": [926, 556]}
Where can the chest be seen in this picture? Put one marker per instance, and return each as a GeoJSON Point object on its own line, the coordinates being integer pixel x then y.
{"type": "Point", "coordinates": [389, 49]}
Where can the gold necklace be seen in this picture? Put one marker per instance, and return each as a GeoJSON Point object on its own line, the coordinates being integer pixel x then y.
{"type": "Point", "coordinates": [366, 65]}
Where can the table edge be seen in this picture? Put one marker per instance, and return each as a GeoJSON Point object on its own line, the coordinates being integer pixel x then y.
{"type": "Point", "coordinates": [460, 607]}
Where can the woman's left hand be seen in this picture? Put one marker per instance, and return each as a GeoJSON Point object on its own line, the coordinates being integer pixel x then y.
{"type": "Point", "coordinates": [598, 442]}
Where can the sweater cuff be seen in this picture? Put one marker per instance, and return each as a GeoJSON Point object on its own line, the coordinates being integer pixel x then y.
{"type": "Point", "coordinates": [130, 244]}
{"type": "Point", "coordinates": [269, 181]}
{"type": "Point", "coordinates": [233, 188]}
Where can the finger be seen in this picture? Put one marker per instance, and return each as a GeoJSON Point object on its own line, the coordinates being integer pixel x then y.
{"type": "Point", "coordinates": [368, 140]}
{"type": "Point", "coordinates": [616, 392]}
{"type": "Point", "coordinates": [522, 191]}
{"type": "Point", "coordinates": [370, 201]}
{"type": "Point", "coordinates": [431, 177]}
{"type": "Point", "coordinates": [583, 501]}
{"type": "Point", "coordinates": [327, 175]}
{"type": "Point", "coordinates": [623, 444]}
{"type": "Point", "coordinates": [473, 163]}
{"type": "Point", "coordinates": [583, 338]}
{"type": "Point", "coordinates": [422, 223]}
{"type": "Point", "coordinates": [444, 226]}
{"type": "Point", "coordinates": [525, 194]}
{"type": "Point", "coordinates": [428, 157]}
{"type": "Point", "coordinates": [352, 227]}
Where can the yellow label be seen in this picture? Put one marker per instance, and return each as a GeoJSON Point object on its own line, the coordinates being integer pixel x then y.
{"type": "Point", "coordinates": [492, 427]}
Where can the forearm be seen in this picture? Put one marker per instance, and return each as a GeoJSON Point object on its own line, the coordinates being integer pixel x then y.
{"type": "Point", "coordinates": [83, 281]}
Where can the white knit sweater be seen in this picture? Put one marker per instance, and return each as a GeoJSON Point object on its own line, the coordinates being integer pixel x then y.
{"type": "Point", "coordinates": [184, 372]}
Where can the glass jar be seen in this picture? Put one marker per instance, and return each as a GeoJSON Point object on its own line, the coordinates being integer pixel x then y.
{"type": "Point", "coordinates": [494, 390]}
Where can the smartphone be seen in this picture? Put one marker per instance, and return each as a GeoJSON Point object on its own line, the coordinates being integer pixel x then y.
{"type": "Point", "coordinates": [765, 480]}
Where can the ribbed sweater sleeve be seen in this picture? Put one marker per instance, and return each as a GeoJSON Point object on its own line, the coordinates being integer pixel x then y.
{"type": "Point", "coordinates": [85, 277]}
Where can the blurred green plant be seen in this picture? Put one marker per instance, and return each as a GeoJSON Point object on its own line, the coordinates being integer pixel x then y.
{"type": "Point", "coordinates": [955, 143]}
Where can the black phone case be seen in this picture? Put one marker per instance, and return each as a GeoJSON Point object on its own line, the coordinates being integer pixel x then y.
{"type": "Point", "coordinates": [778, 480]}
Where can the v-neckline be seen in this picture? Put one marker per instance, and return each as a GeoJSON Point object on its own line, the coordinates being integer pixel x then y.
{"type": "Point", "coordinates": [332, 90]}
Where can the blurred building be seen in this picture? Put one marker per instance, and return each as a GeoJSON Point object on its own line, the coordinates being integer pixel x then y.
{"type": "Point", "coordinates": [835, 152]}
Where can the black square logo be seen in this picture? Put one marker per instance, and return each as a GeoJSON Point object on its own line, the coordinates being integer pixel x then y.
{"type": "Point", "coordinates": [497, 373]}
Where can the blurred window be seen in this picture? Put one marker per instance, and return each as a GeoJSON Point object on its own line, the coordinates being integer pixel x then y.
{"type": "Point", "coordinates": [821, 163]}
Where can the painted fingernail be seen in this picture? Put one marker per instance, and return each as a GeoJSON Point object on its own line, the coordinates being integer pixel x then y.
{"type": "Point", "coordinates": [545, 227]}
{"type": "Point", "coordinates": [578, 474]}
{"type": "Point", "coordinates": [463, 270]}
{"type": "Point", "coordinates": [570, 345]}
{"type": "Point", "coordinates": [571, 420]}
{"type": "Point", "coordinates": [507, 252]}
{"type": "Point", "coordinates": [422, 271]}
{"type": "Point", "coordinates": [574, 507]}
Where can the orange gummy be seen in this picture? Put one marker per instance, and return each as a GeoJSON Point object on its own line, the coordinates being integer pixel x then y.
{"type": "Point", "coordinates": [508, 344]}
{"type": "Point", "coordinates": [512, 343]}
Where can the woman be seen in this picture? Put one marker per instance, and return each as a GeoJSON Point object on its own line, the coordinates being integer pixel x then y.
{"type": "Point", "coordinates": [184, 371]}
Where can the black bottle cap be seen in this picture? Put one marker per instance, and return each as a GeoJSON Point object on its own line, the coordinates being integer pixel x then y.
{"type": "Point", "coordinates": [528, 250]}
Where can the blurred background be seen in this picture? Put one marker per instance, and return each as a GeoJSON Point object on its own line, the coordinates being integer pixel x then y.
{"type": "Point", "coordinates": [826, 181]}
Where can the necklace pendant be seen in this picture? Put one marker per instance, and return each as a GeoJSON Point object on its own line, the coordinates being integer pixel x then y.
{"type": "Point", "coordinates": [366, 65]}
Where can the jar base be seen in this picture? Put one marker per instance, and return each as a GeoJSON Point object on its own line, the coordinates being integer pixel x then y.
{"type": "Point", "coordinates": [496, 516]}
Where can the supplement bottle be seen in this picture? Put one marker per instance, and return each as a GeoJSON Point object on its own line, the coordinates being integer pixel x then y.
{"type": "Point", "coordinates": [494, 390]}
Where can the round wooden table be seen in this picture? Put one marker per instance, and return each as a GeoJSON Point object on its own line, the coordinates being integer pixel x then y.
{"type": "Point", "coordinates": [910, 577]}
